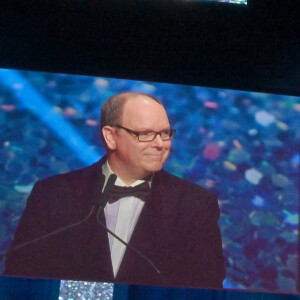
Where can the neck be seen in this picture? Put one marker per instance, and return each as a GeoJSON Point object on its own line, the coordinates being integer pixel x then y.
{"type": "Point", "coordinates": [127, 178]}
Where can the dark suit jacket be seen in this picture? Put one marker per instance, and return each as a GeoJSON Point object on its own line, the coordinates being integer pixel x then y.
{"type": "Point", "coordinates": [177, 230]}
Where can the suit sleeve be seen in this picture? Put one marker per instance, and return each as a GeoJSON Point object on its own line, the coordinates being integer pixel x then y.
{"type": "Point", "coordinates": [195, 256]}
{"type": "Point", "coordinates": [32, 225]}
{"type": "Point", "coordinates": [208, 241]}
{"type": "Point", "coordinates": [201, 242]}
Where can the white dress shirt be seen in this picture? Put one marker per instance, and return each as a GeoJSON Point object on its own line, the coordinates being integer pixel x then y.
{"type": "Point", "coordinates": [121, 218]}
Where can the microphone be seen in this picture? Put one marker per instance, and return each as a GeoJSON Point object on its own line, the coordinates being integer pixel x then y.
{"type": "Point", "coordinates": [102, 201]}
{"type": "Point", "coordinates": [28, 243]}
{"type": "Point", "coordinates": [98, 201]}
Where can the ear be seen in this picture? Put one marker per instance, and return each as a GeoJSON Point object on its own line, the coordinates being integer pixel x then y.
{"type": "Point", "coordinates": [109, 136]}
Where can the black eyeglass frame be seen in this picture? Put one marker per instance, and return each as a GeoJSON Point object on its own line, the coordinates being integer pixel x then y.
{"type": "Point", "coordinates": [137, 133]}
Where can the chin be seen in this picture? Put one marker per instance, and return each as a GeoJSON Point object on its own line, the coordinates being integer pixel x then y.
{"type": "Point", "coordinates": [155, 168]}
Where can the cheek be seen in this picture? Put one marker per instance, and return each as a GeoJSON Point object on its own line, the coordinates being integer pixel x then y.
{"type": "Point", "coordinates": [139, 153]}
{"type": "Point", "coordinates": [166, 155]}
{"type": "Point", "coordinates": [168, 147]}
{"type": "Point", "coordinates": [167, 151]}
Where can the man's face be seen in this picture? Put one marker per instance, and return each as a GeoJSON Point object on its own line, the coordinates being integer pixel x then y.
{"type": "Point", "coordinates": [132, 159]}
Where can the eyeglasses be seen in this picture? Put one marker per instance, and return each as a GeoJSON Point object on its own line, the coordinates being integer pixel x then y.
{"type": "Point", "coordinates": [149, 136]}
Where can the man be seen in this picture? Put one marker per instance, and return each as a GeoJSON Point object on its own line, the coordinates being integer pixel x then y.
{"type": "Point", "coordinates": [171, 227]}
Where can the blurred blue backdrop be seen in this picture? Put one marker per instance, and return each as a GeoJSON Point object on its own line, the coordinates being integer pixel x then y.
{"type": "Point", "coordinates": [243, 146]}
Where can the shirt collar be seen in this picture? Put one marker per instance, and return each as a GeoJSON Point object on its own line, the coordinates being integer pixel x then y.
{"type": "Point", "coordinates": [106, 171]}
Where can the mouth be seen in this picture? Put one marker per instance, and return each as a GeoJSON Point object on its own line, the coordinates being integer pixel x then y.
{"type": "Point", "coordinates": [155, 156]}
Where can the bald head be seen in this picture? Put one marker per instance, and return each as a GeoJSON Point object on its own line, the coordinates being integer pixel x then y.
{"type": "Point", "coordinates": [112, 108]}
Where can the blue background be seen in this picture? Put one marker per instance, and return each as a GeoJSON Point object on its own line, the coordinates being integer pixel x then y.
{"type": "Point", "coordinates": [243, 146]}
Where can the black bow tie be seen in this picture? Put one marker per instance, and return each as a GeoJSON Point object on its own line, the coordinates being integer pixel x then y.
{"type": "Point", "coordinates": [141, 191]}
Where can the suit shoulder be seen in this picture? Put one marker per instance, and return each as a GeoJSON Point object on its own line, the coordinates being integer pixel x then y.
{"type": "Point", "coordinates": [182, 184]}
{"type": "Point", "coordinates": [72, 176]}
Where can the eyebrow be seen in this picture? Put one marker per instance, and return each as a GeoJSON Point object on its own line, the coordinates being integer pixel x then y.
{"type": "Point", "coordinates": [164, 129]}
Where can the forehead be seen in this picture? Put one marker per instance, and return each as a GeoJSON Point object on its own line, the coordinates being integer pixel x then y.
{"type": "Point", "coordinates": [143, 110]}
